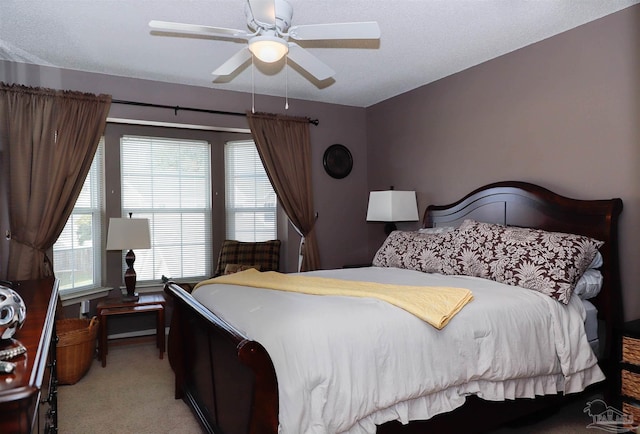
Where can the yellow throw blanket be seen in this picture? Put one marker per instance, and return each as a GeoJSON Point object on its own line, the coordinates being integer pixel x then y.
{"type": "Point", "coordinates": [433, 304]}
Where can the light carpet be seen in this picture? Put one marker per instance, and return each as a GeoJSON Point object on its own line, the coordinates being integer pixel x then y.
{"type": "Point", "coordinates": [132, 394]}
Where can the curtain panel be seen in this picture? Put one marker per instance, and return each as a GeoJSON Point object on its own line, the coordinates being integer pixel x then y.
{"type": "Point", "coordinates": [50, 138]}
{"type": "Point", "coordinates": [285, 149]}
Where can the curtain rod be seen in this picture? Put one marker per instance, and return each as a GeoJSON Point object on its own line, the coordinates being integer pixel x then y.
{"type": "Point", "coordinates": [190, 109]}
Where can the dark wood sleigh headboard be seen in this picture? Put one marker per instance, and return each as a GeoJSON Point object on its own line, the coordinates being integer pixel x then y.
{"type": "Point", "coordinates": [516, 203]}
{"type": "Point", "coordinates": [229, 380]}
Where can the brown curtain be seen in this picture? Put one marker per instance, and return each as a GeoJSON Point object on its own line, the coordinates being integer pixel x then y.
{"type": "Point", "coordinates": [285, 149]}
{"type": "Point", "coordinates": [51, 137]}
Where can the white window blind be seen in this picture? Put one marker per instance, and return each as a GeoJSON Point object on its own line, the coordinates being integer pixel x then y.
{"type": "Point", "coordinates": [250, 199]}
{"type": "Point", "coordinates": [168, 181]}
{"type": "Point", "coordinates": [77, 252]}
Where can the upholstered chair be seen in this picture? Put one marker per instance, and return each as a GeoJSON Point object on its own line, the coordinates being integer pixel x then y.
{"type": "Point", "coordinates": [239, 255]}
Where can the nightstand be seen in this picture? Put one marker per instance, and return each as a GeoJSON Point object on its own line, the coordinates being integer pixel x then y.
{"type": "Point", "coordinates": [630, 369]}
{"type": "Point", "coordinates": [146, 303]}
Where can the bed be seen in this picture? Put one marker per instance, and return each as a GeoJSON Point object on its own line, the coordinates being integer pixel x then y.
{"type": "Point", "coordinates": [230, 380]}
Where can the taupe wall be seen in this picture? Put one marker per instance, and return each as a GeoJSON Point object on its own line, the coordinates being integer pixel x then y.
{"type": "Point", "coordinates": [341, 204]}
{"type": "Point", "coordinates": [563, 113]}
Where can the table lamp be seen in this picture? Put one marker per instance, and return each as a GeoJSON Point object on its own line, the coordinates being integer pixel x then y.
{"type": "Point", "coordinates": [392, 206]}
{"type": "Point", "coordinates": [129, 234]}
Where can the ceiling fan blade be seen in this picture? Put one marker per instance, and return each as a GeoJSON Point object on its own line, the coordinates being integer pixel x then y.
{"type": "Point", "coordinates": [234, 62]}
{"type": "Point", "coordinates": [309, 62]}
{"type": "Point", "coordinates": [312, 32]}
{"type": "Point", "coordinates": [168, 26]}
{"type": "Point", "coordinates": [263, 12]}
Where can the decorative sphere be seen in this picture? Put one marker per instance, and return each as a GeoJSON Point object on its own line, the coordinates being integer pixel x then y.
{"type": "Point", "coordinates": [12, 312]}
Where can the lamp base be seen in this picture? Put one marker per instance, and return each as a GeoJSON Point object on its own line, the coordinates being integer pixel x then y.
{"type": "Point", "coordinates": [389, 227]}
{"type": "Point", "coordinates": [130, 278]}
{"type": "Point", "coordinates": [130, 298]}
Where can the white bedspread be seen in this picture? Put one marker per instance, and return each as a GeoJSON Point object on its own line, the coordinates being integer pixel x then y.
{"type": "Point", "coordinates": [345, 364]}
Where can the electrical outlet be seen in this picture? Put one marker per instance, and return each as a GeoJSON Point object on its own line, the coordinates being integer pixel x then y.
{"type": "Point", "coordinates": [84, 308]}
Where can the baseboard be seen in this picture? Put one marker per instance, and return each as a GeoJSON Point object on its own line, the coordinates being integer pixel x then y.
{"type": "Point", "coordinates": [137, 334]}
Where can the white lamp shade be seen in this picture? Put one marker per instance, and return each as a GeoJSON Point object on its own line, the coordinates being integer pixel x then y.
{"type": "Point", "coordinates": [128, 233]}
{"type": "Point", "coordinates": [392, 206]}
{"type": "Point", "coordinates": [268, 48]}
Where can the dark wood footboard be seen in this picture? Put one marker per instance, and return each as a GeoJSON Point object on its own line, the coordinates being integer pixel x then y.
{"type": "Point", "coordinates": [227, 379]}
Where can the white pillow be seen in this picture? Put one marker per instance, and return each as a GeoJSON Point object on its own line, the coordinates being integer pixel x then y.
{"type": "Point", "coordinates": [597, 261]}
{"type": "Point", "coordinates": [589, 284]}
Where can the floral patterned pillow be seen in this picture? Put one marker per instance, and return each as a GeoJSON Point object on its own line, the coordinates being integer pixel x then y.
{"type": "Point", "coordinates": [430, 253]}
{"type": "Point", "coordinates": [548, 262]}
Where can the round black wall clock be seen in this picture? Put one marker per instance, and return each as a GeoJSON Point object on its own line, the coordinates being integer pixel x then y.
{"type": "Point", "coordinates": [337, 161]}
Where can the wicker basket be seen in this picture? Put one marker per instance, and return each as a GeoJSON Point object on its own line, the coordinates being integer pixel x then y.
{"type": "Point", "coordinates": [630, 384]}
{"type": "Point", "coordinates": [633, 412]}
{"type": "Point", "coordinates": [631, 350]}
{"type": "Point", "coordinates": [76, 348]}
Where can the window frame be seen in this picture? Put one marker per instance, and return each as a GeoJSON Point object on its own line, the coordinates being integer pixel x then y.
{"type": "Point", "coordinates": [155, 213]}
{"type": "Point", "coordinates": [232, 209]}
{"type": "Point", "coordinates": [96, 211]}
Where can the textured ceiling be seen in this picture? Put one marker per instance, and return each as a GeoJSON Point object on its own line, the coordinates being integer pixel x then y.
{"type": "Point", "coordinates": [422, 40]}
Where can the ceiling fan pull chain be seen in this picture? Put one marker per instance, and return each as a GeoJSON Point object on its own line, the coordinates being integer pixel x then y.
{"type": "Point", "coordinates": [253, 88]}
{"type": "Point", "coordinates": [286, 83]}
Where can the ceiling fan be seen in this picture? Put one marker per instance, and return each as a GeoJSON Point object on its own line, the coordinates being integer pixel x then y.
{"type": "Point", "coordinates": [270, 22]}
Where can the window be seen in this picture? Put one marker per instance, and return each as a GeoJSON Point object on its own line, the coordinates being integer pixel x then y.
{"type": "Point", "coordinates": [168, 181]}
{"type": "Point", "coordinates": [76, 253]}
{"type": "Point", "coordinates": [250, 199]}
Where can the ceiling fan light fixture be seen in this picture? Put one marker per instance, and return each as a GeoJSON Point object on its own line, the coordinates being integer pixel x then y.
{"type": "Point", "coordinates": [268, 48]}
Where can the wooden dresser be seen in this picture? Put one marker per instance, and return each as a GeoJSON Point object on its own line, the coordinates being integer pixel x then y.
{"type": "Point", "coordinates": [28, 396]}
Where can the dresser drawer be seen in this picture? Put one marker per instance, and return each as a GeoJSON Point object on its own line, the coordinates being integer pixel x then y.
{"type": "Point", "coordinates": [631, 350]}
